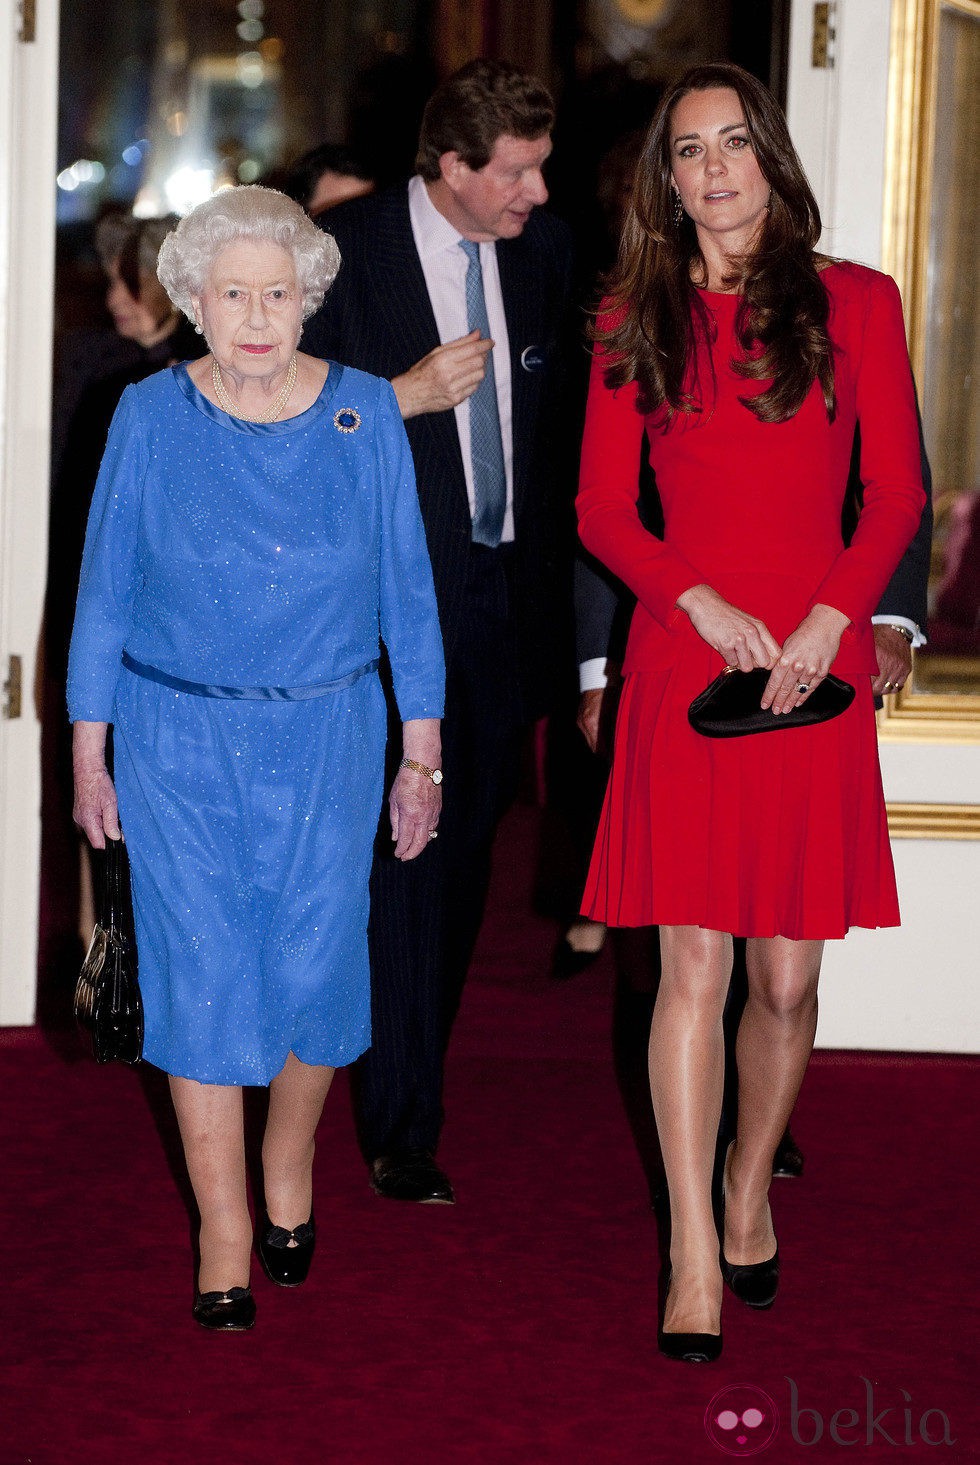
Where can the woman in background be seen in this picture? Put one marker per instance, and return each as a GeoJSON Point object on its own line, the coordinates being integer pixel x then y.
{"type": "Point", "coordinates": [93, 369]}
{"type": "Point", "coordinates": [750, 360]}
{"type": "Point", "coordinates": [146, 332]}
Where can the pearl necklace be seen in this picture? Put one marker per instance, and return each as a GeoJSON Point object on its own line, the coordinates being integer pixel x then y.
{"type": "Point", "coordinates": [226, 404]}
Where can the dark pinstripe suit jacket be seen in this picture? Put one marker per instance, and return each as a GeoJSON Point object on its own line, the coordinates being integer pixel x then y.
{"type": "Point", "coordinates": [378, 317]}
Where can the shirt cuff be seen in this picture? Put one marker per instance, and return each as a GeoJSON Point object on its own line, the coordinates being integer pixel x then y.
{"type": "Point", "coordinates": [592, 674]}
{"type": "Point", "coordinates": [918, 638]}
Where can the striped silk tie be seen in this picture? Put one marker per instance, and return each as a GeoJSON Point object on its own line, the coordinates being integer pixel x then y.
{"type": "Point", "coordinates": [486, 445]}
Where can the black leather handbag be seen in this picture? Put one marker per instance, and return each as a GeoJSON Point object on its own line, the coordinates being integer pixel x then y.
{"type": "Point", "coordinates": [731, 706]}
{"type": "Point", "coordinates": [108, 1005]}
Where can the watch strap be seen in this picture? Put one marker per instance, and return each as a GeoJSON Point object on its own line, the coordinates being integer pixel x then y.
{"type": "Point", "coordinates": [429, 773]}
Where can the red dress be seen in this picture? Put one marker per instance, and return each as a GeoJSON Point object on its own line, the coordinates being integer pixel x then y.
{"type": "Point", "coordinates": [783, 834]}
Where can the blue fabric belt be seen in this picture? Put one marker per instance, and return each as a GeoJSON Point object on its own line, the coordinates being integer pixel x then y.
{"type": "Point", "coordinates": [245, 694]}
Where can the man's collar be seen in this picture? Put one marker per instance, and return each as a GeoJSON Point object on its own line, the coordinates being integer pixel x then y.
{"type": "Point", "coordinates": [433, 231]}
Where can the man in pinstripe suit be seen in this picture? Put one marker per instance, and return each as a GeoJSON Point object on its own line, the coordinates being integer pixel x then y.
{"type": "Point", "coordinates": [455, 287]}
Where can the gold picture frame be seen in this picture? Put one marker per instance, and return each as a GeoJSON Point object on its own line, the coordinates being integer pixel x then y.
{"type": "Point", "coordinates": [915, 88]}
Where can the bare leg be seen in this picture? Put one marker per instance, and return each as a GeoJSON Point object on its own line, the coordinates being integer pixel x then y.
{"type": "Point", "coordinates": [687, 1060]}
{"type": "Point", "coordinates": [210, 1120]}
{"type": "Point", "coordinates": [775, 1039]}
{"type": "Point", "coordinates": [296, 1097]}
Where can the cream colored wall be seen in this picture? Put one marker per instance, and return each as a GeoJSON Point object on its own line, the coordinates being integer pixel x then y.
{"type": "Point", "coordinates": [913, 988]}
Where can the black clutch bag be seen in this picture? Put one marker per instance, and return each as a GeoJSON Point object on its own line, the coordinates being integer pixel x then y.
{"type": "Point", "coordinates": [731, 706]}
{"type": "Point", "coordinates": [108, 1005]}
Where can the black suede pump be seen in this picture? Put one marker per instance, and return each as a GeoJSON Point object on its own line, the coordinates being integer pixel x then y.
{"type": "Point", "coordinates": [688, 1347]}
{"type": "Point", "coordinates": [755, 1284]}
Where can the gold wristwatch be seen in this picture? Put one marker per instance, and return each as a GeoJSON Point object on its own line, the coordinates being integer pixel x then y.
{"type": "Point", "coordinates": [434, 773]}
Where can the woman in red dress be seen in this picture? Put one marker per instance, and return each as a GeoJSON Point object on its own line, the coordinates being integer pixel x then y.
{"type": "Point", "coordinates": [750, 360]}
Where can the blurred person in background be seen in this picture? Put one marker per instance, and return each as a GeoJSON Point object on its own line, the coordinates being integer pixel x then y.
{"type": "Point", "coordinates": [143, 333]}
{"type": "Point", "coordinates": [325, 176]}
{"type": "Point", "coordinates": [94, 367]}
{"type": "Point", "coordinates": [575, 782]}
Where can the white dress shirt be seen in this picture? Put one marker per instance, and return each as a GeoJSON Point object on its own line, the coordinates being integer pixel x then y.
{"type": "Point", "coordinates": [444, 266]}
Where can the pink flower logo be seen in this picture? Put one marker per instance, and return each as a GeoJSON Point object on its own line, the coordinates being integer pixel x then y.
{"type": "Point", "coordinates": [741, 1420]}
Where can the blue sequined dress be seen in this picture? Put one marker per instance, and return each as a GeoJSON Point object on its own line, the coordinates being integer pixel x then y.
{"type": "Point", "coordinates": [241, 555]}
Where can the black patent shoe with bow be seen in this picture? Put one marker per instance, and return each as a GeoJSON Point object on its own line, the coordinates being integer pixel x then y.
{"type": "Point", "coordinates": [225, 1312]}
{"type": "Point", "coordinates": [755, 1284]}
{"type": "Point", "coordinates": [287, 1266]}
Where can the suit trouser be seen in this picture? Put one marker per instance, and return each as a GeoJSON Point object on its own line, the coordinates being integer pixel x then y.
{"type": "Point", "coordinates": [426, 913]}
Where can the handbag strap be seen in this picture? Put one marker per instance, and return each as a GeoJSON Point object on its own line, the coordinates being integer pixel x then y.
{"type": "Point", "coordinates": [112, 886]}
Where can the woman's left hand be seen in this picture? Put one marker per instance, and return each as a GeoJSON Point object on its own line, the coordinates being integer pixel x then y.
{"type": "Point", "coordinates": [808, 654]}
{"type": "Point", "coordinates": [415, 803]}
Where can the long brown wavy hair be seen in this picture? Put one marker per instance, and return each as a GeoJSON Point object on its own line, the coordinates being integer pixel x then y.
{"type": "Point", "coordinates": [657, 315]}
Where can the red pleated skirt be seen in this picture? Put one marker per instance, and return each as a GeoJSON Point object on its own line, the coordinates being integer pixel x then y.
{"type": "Point", "coordinates": [779, 834]}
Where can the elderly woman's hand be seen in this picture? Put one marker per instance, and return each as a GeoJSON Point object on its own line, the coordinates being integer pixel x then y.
{"type": "Point", "coordinates": [807, 656]}
{"type": "Point", "coordinates": [415, 803]}
{"type": "Point", "coordinates": [743, 640]}
{"type": "Point", "coordinates": [415, 800]}
{"type": "Point", "coordinates": [95, 812]}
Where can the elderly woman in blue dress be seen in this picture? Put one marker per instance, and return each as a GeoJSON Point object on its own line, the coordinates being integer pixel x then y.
{"type": "Point", "coordinates": [255, 533]}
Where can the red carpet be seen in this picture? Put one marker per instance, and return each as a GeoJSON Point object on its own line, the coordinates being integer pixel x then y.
{"type": "Point", "coordinates": [521, 1325]}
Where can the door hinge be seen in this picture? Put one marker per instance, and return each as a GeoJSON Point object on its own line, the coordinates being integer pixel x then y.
{"type": "Point", "coordinates": [12, 688]}
{"type": "Point", "coordinates": [28, 20]}
{"type": "Point", "coordinates": [824, 36]}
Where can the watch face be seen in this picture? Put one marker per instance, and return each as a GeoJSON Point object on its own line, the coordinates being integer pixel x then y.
{"type": "Point", "coordinates": [437, 776]}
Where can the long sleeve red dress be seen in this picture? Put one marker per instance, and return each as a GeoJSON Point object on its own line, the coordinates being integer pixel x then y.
{"type": "Point", "coordinates": [783, 834]}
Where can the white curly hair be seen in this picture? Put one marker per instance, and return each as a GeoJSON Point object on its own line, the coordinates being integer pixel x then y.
{"type": "Point", "coordinates": [247, 212]}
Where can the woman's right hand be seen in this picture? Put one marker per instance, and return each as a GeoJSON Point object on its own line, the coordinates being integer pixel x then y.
{"type": "Point", "coordinates": [96, 811]}
{"type": "Point", "coordinates": [743, 640]}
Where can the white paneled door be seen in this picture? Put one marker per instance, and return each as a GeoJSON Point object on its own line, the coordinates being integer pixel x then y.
{"type": "Point", "coordinates": [28, 119]}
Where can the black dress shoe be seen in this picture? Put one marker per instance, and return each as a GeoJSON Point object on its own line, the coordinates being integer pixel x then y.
{"type": "Point", "coordinates": [788, 1159]}
{"type": "Point", "coordinates": [755, 1284]}
{"type": "Point", "coordinates": [688, 1347]}
{"type": "Point", "coordinates": [412, 1175]}
{"type": "Point", "coordinates": [225, 1312]}
{"type": "Point", "coordinates": [286, 1265]}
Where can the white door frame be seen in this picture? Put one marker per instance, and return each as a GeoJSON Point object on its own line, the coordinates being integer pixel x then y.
{"type": "Point", "coordinates": [837, 119]}
{"type": "Point", "coordinates": [28, 133]}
